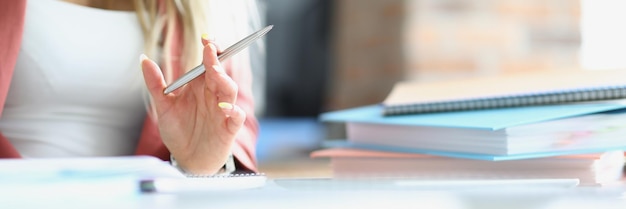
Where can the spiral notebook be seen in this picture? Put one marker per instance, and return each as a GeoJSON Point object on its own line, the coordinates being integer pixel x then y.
{"type": "Point", "coordinates": [527, 89]}
{"type": "Point", "coordinates": [120, 175]}
{"type": "Point", "coordinates": [203, 183]}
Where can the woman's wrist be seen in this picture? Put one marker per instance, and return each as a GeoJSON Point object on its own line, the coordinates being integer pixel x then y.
{"type": "Point", "coordinates": [227, 168]}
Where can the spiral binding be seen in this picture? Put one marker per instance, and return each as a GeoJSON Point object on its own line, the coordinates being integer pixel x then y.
{"type": "Point", "coordinates": [232, 175]}
{"type": "Point", "coordinates": [531, 99]}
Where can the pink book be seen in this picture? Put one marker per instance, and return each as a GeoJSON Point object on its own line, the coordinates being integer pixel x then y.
{"type": "Point", "coordinates": [590, 169]}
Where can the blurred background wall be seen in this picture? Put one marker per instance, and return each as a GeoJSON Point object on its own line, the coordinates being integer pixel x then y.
{"type": "Point", "coordinates": [381, 42]}
{"type": "Point", "coordinates": [327, 55]}
{"type": "Point", "coordinates": [603, 44]}
{"type": "Point", "coordinates": [296, 78]}
{"type": "Point", "coordinates": [298, 56]}
{"type": "Point", "coordinates": [331, 54]}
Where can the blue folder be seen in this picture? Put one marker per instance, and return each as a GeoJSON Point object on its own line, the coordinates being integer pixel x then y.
{"type": "Point", "coordinates": [488, 119]}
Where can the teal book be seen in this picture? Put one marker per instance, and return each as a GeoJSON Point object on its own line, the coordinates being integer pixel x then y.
{"type": "Point", "coordinates": [490, 134]}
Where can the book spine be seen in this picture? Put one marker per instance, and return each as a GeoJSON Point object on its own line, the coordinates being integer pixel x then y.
{"type": "Point", "coordinates": [560, 97]}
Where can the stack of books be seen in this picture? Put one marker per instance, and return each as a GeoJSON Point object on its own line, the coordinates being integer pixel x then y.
{"type": "Point", "coordinates": [551, 125]}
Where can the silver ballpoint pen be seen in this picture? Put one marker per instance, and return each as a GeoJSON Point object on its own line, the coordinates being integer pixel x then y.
{"type": "Point", "coordinates": [228, 52]}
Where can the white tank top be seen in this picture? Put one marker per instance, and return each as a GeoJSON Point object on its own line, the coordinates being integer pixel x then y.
{"type": "Point", "coordinates": [77, 85]}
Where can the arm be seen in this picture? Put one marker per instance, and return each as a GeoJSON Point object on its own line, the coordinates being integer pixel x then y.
{"type": "Point", "coordinates": [202, 123]}
{"type": "Point", "coordinates": [11, 28]}
{"type": "Point", "coordinates": [150, 142]}
{"type": "Point", "coordinates": [6, 149]}
{"type": "Point", "coordinates": [244, 148]}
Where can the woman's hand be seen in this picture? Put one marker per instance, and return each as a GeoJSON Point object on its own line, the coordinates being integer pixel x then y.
{"type": "Point", "coordinates": [198, 123]}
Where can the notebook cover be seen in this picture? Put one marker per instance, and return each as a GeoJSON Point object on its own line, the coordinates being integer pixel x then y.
{"type": "Point", "coordinates": [546, 87]}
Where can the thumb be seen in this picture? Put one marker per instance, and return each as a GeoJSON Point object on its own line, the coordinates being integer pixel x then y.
{"type": "Point", "coordinates": [153, 77]}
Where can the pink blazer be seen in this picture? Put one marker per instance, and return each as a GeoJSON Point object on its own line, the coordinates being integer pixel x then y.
{"type": "Point", "coordinates": [11, 28]}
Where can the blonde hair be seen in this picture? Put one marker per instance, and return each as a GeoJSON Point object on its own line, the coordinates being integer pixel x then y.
{"type": "Point", "coordinates": [171, 35]}
{"type": "Point", "coordinates": [172, 31]}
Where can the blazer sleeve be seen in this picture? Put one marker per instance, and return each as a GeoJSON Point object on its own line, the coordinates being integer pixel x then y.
{"type": "Point", "coordinates": [11, 30]}
{"type": "Point", "coordinates": [244, 149]}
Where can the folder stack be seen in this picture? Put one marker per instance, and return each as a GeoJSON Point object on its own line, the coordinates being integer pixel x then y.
{"type": "Point", "coordinates": [575, 131]}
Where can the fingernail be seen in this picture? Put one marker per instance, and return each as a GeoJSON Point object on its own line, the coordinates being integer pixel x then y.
{"type": "Point", "coordinates": [142, 57]}
{"type": "Point", "coordinates": [225, 105]}
{"type": "Point", "coordinates": [206, 36]}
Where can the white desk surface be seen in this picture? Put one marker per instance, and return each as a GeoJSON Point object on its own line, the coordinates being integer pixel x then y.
{"type": "Point", "coordinates": [302, 183]}
{"type": "Point", "coordinates": [282, 193]}
{"type": "Point", "coordinates": [276, 196]}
